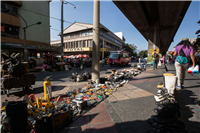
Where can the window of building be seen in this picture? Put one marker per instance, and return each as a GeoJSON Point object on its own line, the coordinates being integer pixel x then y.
{"type": "Point", "coordinates": [84, 45]}
{"type": "Point", "coordinates": [9, 9]}
{"type": "Point", "coordinates": [91, 43]}
{"type": "Point", "coordinates": [81, 43]}
{"type": "Point", "coordinates": [90, 32]}
{"type": "Point", "coordinates": [76, 43]}
{"type": "Point", "coordinates": [9, 31]}
{"type": "Point", "coordinates": [101, 43]}
{"type": "Point", "coordinates": [66, 36]}
{"type": "Point", "coordinates": [71, 45]}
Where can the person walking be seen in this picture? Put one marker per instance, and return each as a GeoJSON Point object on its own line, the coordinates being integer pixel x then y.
{"type": "Point", "coordinates": [139, 59]}
{"type": "Point", "coordinates": [183, 51]}
{"type": "Point", "coordinates": [81, 63]}
{"type": "Point", "coordinates": [77, 63]}
{"type": "Point", "coordinates": [102, 62]}
{"type": "Point", "coordinates": [155, 59]}
{"type": "Point", "coordinates": [163, 59]}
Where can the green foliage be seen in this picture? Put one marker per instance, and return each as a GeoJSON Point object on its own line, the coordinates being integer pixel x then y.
{"type": "Point", "coordinates": [196, 45]}
{"type": "Point", "coordinates": [130, 48]}
{"type": "Point", "coordinates": [143, 53]}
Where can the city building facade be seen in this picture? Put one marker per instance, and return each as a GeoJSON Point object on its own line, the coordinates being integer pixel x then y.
{"type": "Point", "coordinates": [16, 15]}
{"type": "Point", "coordinates": [78, 39]}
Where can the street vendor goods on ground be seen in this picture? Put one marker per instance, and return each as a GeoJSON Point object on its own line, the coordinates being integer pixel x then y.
{"type": "Point", "coordinates": [48, 114]}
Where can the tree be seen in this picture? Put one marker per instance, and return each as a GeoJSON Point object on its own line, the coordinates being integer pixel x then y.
{"type": "Point", "coordinates": [130, 48]}
{"type": "Point", "coordinates": [196, 44]}
{"type": "Point", "coordinates": [143, 53]}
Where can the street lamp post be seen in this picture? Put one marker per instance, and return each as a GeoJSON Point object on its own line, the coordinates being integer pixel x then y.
{"type": "Point", "coordinates": [63, 2]}
{"type": "Point", "coordinates": [25, 46]}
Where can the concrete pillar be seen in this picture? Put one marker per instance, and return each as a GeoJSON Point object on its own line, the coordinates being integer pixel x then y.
{"type": "Point", "coordinates": [96, 48]}
{"type": "Point", "coordinates": [154, 38]}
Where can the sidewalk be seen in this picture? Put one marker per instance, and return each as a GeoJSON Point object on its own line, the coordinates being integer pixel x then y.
{"type": "Point", "coordinates": [128, 109]}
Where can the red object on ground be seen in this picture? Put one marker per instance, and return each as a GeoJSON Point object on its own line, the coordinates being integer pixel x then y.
{"type": "Point", "coordinates": [32, 96]}
{"type": "Point", "coordinates": [57, 99]}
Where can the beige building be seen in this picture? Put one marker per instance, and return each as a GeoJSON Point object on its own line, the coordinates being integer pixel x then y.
{"type": "Point", "coordinates": [78, 40]}
{"type": "Point", "coordinates": [14, 17]}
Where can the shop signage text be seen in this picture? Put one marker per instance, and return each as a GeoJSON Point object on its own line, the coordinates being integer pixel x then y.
{"type": "Point", "coordinates": [47, 47]}
{"type": "Point", "coordinates": [78, 49]}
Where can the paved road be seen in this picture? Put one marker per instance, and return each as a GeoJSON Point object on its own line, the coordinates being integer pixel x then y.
{"type": "Point", "coordinates": [60, 81]}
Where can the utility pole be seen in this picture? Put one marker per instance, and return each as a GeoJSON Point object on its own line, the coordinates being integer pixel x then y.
{"type": "Point", "coordinates": [62, 21]}
{"type": "Point", "coordinates": [61, 49]}
{"type": "Point", "coordinates": [103, 50]}
{"type": "Point", "coordinates": [96, 48]}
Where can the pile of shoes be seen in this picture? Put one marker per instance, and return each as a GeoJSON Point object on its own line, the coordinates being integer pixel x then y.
{"type": "Point", "coordinates": [167, 114]}
{"type": "Point", "coordinates": [75, 77]}
{"type": "Point", "coordinates": [163, 98]}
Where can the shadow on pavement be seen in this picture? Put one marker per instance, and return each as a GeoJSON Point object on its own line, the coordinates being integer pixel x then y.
{"type": "Point", "coordinates": [21, 93]}
{"type": "Point", "coordinates": [186, 100]}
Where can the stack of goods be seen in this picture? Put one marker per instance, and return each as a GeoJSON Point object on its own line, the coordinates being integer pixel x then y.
{"type": "Point", "coordinates": [17, 74]}
{"type": "Point", "coordinates": [44, 67]}
{"type": "Point", "coordinates": [168, 112]}
{"type": "Point", "coordinates": [75, 77]}
{"type": "Point", "coordinates": [193, 70]}
{"type": "Point", "coordinates": [12, 64]}
{"type": "Point", "coordinates": [117, 76]}
{"type": "Point", "coordinates": [50, 114]}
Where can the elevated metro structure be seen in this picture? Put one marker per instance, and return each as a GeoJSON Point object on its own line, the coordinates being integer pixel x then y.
{"type": "Point", "coordinates": [157, 21]}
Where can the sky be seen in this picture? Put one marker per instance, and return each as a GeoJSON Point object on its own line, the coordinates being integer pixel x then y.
{"type": "Point", "coordinates": [112, 18]}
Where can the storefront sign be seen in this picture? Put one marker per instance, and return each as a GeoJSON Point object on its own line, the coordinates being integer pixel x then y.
{"type": "Point", "coordinates": [86, 49]}
{"type": "Point", "coordinates": [78, 49]}
{"type": "Point", "coordinates": [107, 49]}
{"type": "Point", "coordinates": [47, 48]}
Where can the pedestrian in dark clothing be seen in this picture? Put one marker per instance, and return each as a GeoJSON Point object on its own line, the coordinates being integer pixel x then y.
{"type": "Point", "coordinates": [155, 59]}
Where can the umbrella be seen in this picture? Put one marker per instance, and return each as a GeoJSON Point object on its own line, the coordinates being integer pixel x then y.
{"type": "Point", "coordinates": [79, 56]}
{"type": "Point", "coordinates": [86, 56]}
{"type": "Point", "coordinates": [71, 56]}
{"type": "Point", "coordinates": [66, 56]}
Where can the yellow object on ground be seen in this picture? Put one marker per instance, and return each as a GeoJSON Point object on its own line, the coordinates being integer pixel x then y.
{"type": "Point", "coordinates": [46, 85]}
{"type": "Point", "coordinates": [3, 108]}
{"type": "Point", "coordinates": [168, 74]}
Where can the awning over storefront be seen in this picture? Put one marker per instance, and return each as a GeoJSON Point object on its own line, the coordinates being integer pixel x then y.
{"type": "Point", "coordinates": [20, 46]}
{"type": "Point", "coordinates": [47, 48]}
{"type": "Point", "coordinates": [9, 45]}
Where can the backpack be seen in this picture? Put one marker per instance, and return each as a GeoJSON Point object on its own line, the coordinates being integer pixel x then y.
{"type": "Point", "coordinates": [155, 55]}
{"type": "Point", "coordinates": [181, 58]}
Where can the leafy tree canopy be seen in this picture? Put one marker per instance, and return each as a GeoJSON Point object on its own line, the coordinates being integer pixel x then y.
{"type": "Point", "coordinates": [130, 48]}
{"type": "Point", "coordinates": [196, 44]}
{"type": "Point", "coordinates": [143, 53]}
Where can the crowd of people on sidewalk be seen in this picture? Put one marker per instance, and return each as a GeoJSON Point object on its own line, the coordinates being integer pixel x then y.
{"type": "Point", "coordinates": [79, 63]}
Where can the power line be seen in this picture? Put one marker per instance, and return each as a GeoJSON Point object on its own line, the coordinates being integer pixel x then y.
{"type": "Point", "coordinates": [55, 29]}
{"type": "Point", "coordinates": [52, 17]}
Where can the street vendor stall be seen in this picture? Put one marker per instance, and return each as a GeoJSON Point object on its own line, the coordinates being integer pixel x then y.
{"type": "Point", "coordinates": [46, 115]}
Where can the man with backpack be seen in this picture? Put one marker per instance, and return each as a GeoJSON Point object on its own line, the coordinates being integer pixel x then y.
{"type": "Point", "coordinates": [155, 59]}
